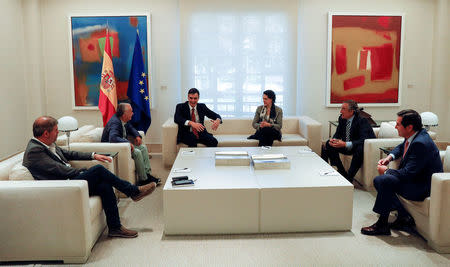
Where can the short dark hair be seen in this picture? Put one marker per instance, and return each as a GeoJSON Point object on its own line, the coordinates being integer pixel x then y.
{"type": "Point", "coordinates": [193, 91]}
{"type": "Point", "coordinates": [271, 95]}
{"type": "Point", "coordinates": [42, 124]}
{"type": "Point", "coordinates": [352, 104]}
{"type": "Point", "coordinates": [411, 117]}
{"type": "Point", "coordinates": [121, 109]}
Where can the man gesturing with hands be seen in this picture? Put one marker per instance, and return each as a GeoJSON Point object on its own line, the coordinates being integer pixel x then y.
{"type": "Point", "coordinates": [190, 117]}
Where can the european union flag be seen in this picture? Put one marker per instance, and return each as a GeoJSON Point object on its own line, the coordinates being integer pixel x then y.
{"type": "Point", "coordinates": [138, 90]}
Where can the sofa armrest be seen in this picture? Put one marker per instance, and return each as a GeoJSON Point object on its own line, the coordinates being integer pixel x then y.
{"type": "Point", "coordinates": [169, 141]}
{"type": "Point", "coordinates": [90, 163]}
{"type": "Point", "coordinates": [44, 218]}
{"type": "Point", "coordinates": [372, 156]}
{"type": "Point", "coordinates": [312, 131]}
{"type": "Point", "coordinates": [125, 163]}
{"type": "Point", "coordinates": [439, 209]}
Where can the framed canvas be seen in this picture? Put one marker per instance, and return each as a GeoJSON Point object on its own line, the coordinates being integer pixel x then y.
{"type": "Point", "coordinates": [364, 58]}
{"type": "Point", "coordinates": [87, 35]}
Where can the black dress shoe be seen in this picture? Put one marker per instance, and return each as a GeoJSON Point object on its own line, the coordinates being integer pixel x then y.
{"type": "Point", "coordinates": [144, 182]}
{"type": "Point", "coordinates": [403, 223]}
{"type": "Point", "coordinates": [376, 229]}
{"type": "Point", "coordinates": [152, 178]}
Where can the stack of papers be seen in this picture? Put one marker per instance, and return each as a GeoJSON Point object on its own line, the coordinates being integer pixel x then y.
{"type": "Point", "coordinates": [232, 158]}
{"type": "Point", "coordinates": [178, 170]}
{"type": "Point", "coordinates": [231, 153]}
{"type": "Point", "coordinates": [268, 156]}
{"type": "Point", "coordinates": [271, 161]}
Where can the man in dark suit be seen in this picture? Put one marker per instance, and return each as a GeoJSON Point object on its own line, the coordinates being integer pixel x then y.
{"type": "Point", "coordinates": [349, 138]}
{"type": "Point", "coordinates": [419, 160]}
{"type": "Point", "coordinates": [47, 161]}
{"type": "Point", "coordinates": [119, 130]}
{"type": "Point", "coordinates": [190, 117]}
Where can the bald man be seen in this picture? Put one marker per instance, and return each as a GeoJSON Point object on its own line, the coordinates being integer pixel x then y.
{"type": "Point", "coordinates": [46, 161]}
{"type": "Point", "coordinates": [118, 130]}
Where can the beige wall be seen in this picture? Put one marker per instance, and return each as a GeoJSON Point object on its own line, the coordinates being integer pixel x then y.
{"type": "Point", "coordinates": [417, 59]}
{"type": "Point", "coordinates": [39, 31]}
{"type": "Point", "coordinates": [13, 98]}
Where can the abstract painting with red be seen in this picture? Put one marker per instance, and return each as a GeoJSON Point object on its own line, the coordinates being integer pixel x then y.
{"type": "Point", "coordinates": [364, 59]}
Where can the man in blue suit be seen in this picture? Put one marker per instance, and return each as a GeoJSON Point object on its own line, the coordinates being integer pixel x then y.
{"type": "Point", "coordinates": [412, 180]}
{"type": "Point", "coordinates": [190, 117]}
{"type": "Point", "coordinates": [119, 130]}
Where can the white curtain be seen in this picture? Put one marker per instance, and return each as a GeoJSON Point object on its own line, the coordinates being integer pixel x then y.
{"type": "Point", "coordinates": [234, 50]}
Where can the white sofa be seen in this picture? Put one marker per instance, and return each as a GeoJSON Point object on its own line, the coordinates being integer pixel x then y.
{"type": "Point", "coordinates": [233, 132]}
{"type": "Point", "coordinates": [47, 220]}
{"type": "Point", "coordinates": [88, 138]}
{"type": "Point", "coordinates": [372, 153]}
{"type": "Point", "coordinates": [432, 216]}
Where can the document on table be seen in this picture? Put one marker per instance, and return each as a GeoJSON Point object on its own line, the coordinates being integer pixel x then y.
{"type": "Point", "coordinates": [305, 150]}
{"type": "Point", "coordinates": [188, 152]}
{"type": "Point", "coordinates": [328, 173]}
{"type": "Point", "coordinates": [182, 170]}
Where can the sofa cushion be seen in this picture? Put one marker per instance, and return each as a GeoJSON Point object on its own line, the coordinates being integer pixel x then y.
{"type": "Point", "coordinates": [19, 172]}
{"type": "Point", "coordinates": [422, 207]}
{"type": "Point", "coordinates": [290, 126]}
{"type": "Point", "coordinates": [446, 160]}
{"type": "Point", "coordinates": [95, 207]}
{"type": "Point", "coordinates": [229, 140]}
{"type": "Point", "coordinates": [291, 140]}
{"type": "Point", "coordinates": [387, 130]}
{"type": "Point", "coordinates": [74, 136]}
{"type": "Point", "coordinates": [7, 164]}
{"type": "Point", "coordinates": [92, 136]}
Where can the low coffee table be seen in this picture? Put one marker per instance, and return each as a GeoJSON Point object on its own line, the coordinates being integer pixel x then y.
{"type": "Point", "coordinates": [239, 199]}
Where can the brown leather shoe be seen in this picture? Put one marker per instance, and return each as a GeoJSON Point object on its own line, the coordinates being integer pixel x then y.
{"type": "Point", "coordinates": [123, 232]}
{"type": "Point", "coordinates": [144, 191]}
{"type": "Point", "coordinates": [376, 229]}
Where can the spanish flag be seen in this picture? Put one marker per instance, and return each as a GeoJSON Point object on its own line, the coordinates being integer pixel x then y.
{"type": "Point", "coordinates": [107, 102]}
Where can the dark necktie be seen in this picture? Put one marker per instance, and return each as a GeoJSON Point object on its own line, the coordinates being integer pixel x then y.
{"type": "Point", "coordinates": [347, 131]}
{"type": "Point", "coordinates": [194, 120]}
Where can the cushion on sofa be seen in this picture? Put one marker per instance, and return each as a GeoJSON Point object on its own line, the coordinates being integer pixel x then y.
{"type": "Point", "coordinates": [19, 172]}
{"type": "Point", "coordinates": [93, 136]}
{"type": "Point", "coordinates": [227, 140]}
{"type": "Point", "coordinates": [7, 164]}
{"type": "Point", "coordinates": [291, 140]}
{"type": "Point", "coordinates": [422, 207]}
{"type": "Point", "coordinates": [74, 136]}
{"type": "Point", "coordinates": [387, 130]}
{"type": "Point", "coordinates": [446, 160]}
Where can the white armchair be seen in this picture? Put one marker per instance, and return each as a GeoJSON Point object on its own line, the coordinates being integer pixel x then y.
{"type": "Point", "coordinates": [88, 138]}
{"type": "Point", "coordinates": [47, 220]}
{"type": "Point", "coordinates": [432, 216]}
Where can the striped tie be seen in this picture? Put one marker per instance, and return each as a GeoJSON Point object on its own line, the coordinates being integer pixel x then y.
{"type": "Point", "coordinates": [194, 120]}
{"type": "Point", "coordinates": [347, 131]}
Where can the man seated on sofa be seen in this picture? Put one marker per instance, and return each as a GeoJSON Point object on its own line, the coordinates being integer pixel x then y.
{"type": "Point", "coordinates": [349, 138]}
{"type": "Point", "coordinates": [419, 159]}
{"type": "Point", "coordinates": [190, 117]}
{"type": "Point", "coordinates": [47, 161]}
{"type": "Point", "coordinates": [117, 130]}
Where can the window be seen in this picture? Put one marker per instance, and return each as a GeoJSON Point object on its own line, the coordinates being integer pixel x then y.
{"type": "Point", "coordinates": [232, 57]}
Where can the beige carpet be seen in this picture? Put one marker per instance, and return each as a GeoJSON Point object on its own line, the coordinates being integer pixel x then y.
{"type": "Point", "coordinates": [153, 248]}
